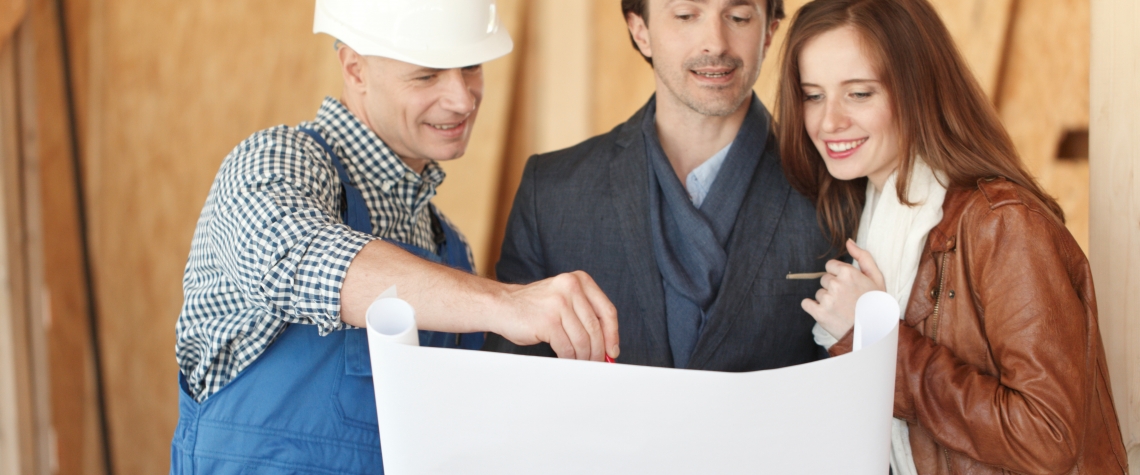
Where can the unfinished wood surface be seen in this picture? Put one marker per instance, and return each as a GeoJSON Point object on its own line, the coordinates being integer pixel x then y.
{"type": "Point", "coordinates": [17, 456]}
{"type": "Point", "coordinates": [470, 194]}
{"type": "Point", "coordinates": [622, 80]}
{"type": "Point", "coordinates": [1115, 197]}
{"type": "Point", "coordinates": [33, 248]}
{"type": "Point", "coordinates": [563, 65]}
{"type": "Point", "coordinates": [47, 144]}
{"type": "Point", "coordinates": [1044, 94]}
{"type": "Point", "coordinates": [979, 28]}
{"type": "Point", "coordinates": [11, 14]}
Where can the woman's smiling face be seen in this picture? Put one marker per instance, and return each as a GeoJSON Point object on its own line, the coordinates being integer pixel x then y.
{"type": "Point", "coordinates": [847, 111]}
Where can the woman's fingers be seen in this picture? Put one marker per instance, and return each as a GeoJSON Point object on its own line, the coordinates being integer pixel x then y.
{"type": "Point", "coordinates": [866, 264]}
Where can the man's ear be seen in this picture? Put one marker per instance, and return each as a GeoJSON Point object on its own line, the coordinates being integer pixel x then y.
{"type": "Point", "coordinates": [639, 31]}
{"type": "Point", "coordinates": [771, 33]}
{"type": "Point", "coordinates": [351, 67]}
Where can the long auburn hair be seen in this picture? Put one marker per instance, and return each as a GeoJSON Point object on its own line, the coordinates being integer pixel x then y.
{"type": "Point", "coordinates": [940, 110]}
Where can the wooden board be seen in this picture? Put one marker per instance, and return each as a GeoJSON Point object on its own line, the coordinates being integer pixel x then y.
{"type": "Point", "coordinates": [621, 79]}
{"type": "Point", "coordinates": [1044, 94]}
{"type": "Point", "coordinates": [979, 28]}
{"type": "Point", "coordinates": [74, 405]}
{"type": "Point", "coordinates": [1115, 197]}
{"type": "Point", "coordinates": [11, 14]}
{"type": "Point", "coordinates": [17, 429]}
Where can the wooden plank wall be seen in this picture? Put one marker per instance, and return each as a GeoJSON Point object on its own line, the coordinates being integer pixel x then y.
{"type": "Point", "coordinates": [25, 414]}
{"type": "Point", "coordinates": [17, 424]}
{"type": "Point", "coordinates": [1115, 198]}
{"type": "Point", "coordinates": [74, 406]}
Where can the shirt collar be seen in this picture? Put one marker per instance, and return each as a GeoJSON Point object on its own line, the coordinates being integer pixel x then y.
{"type": "Point", "coordinates": [365, 151]}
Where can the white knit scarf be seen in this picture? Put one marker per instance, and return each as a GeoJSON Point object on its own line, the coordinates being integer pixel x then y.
{"type": "Point", "coordinates": [895, 235]}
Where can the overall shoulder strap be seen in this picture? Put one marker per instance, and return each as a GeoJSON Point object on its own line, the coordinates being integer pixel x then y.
{"type": "Point", "coordinates": [355, 213]}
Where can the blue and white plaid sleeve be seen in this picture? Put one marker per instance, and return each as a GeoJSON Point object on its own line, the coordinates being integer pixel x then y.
{"type": "Point", "coordinates": [274, 231]}
{"type": "Point", "coordinates": [269, 250]}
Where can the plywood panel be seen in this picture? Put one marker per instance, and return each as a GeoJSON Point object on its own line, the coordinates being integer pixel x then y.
{"type": "Point", "coordinates": [563, 72]}
{"type": "Point", "coordinates": [74, 405]}
{"type": "Point", "coordinates": [470, 195]}
{"type": "Point", "coordinates": [11, 14]}
{"type": "Point", "coordinates": [979, 28]}
{"type": "Point", "coordinates": [1115, 197]}
{"type": "Point", "coordinates": [172, 87]}
{"type": "Point", "coordinates": [1044, 93]}
{"type": "Point", "coordinates": [17, 424]}
{"type": "Point", "coordinates": [622, 80]}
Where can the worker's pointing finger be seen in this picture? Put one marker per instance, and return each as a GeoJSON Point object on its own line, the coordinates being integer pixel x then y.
{"type": "Point", "coordinates": [605, 312]}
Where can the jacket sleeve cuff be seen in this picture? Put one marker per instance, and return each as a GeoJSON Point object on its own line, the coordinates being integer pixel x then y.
{"type": "Point", "coordinates": [843, 346]}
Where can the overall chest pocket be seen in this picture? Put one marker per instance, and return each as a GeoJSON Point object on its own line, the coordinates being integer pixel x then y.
{"type": "Point", "coordinates": [355, 396]}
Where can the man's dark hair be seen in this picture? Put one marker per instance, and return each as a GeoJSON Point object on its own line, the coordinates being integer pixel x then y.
{"type": "Point", "coordinates": [775, 11]}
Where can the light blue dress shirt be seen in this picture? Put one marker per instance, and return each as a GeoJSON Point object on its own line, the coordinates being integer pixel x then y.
{"type": "Point", "coordinates": [700, 180]}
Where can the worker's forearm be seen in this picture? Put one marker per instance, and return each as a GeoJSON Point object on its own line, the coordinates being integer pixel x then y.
{"type": "Point", "coordinates": [569, 311]}
{"type": "Point", "coordinates": [445, 299]}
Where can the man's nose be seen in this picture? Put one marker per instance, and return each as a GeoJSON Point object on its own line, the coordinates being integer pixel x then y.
{"type": "Point", "coordinates": [457, 96]}
{"type": "Point", "coordinates": [714, 37]}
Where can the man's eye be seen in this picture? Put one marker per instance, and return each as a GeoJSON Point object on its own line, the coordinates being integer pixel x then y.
{"type": "Point", "coordinates": [684, 16]}
{"type": "Point", "coordinates": [742, 20]}
{"type": "Point", "coordinates": [426, 78]}
{"type": "Point", "coordinates": [472, 69]}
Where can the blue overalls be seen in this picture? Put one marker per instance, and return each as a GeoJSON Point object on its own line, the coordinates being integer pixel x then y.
{"type": "Point", "coordinates": [306, 405]}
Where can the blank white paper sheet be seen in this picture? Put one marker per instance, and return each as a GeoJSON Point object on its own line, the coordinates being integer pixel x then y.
{"type": "Point", "coordinates": [444, 411]}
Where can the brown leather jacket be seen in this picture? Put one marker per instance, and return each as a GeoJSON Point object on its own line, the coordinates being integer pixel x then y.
{"type": "Point", "coordinates": [1000, 362]}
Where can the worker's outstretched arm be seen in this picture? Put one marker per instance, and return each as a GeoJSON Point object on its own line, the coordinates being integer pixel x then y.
{"type": "Point", "coordinates": [569, 311]}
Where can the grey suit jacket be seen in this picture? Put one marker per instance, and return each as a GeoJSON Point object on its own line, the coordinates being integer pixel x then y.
{"type": "Point", "coordinates": [587, 208]}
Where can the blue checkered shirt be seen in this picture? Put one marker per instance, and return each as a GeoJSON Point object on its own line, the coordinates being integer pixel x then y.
{"type": "Point", "coordinates": [271, 249]}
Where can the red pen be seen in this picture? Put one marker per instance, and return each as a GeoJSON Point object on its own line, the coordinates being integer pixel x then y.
{"type": "Point", "coordinates": [610, 360]}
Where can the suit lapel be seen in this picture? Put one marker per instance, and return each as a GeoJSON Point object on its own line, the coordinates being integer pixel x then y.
{"type": "Point", "coordinates": [752, 235]}
{"type": "Point", "coordinates": [629, 183]}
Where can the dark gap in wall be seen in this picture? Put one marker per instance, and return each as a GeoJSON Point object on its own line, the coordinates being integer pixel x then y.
{"type": "Point", "coordinates": [1074, 145]}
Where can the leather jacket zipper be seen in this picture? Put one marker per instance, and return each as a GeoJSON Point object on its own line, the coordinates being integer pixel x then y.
{"type": "Point", "coordinates": [938, 297]}
{"type": "Point", "coordinates": [934, 330]}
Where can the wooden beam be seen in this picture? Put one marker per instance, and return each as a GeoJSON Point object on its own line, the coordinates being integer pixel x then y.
{"type": "Point", "coordinates": [11, 14]}
{"type": "Point", "coordinates": [1043, 95]}
{"type": "Point", "coordinates": [23, 429]}
{"type": "Point", "coordinates": [74, 409]}
{"type": "Point", "coordinates": [16, 454]}
{"type": "Point", "coordinates": [1115, 198]}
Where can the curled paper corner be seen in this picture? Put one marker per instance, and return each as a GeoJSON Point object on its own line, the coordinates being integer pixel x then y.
{"type": "Point", "coordinates": [876, 315]}
{"type": "Point", "coordinates": [392, 320]}
{"type": "Point", "coordinates": [389, 293]}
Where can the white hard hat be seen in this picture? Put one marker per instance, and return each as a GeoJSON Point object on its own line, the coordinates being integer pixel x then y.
{"type": "Point", "coordinates": [440, 34]}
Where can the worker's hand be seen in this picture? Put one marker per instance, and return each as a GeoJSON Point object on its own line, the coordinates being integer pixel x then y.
{"type": "Point", "coordinates": [834, 304]}
{"type": "Point", "coordinates": [569, 311]}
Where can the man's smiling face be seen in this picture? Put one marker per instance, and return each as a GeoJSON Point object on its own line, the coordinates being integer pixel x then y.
{"type": "Point", "coordinates": [706, 53]}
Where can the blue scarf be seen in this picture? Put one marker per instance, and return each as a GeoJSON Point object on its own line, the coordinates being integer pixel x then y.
{"type": "Point", "coordinates": [689, 244]}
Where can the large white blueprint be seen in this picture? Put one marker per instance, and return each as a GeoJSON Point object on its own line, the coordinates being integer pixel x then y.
{"type": "Point", "coordinates": [445, 411]}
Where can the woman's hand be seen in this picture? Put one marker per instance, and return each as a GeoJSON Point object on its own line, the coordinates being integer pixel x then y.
{"type": "Point", "coordinates": [834, 304]}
